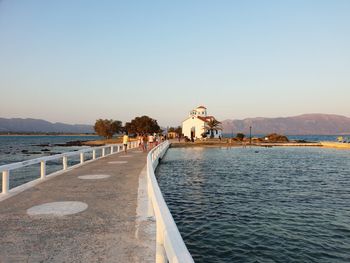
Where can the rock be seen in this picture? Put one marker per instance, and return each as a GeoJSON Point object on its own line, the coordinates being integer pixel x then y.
{"type": "Point", "coordinates": [274, 137]}
{"type": "Point", "coordinates": [45, 150]}
{"type": "Point", "coordinates": [301, 141]}
{"type": "Point", "coordinates": [43, 145]}
{"type": "Point", "coordinates": [71, 143]}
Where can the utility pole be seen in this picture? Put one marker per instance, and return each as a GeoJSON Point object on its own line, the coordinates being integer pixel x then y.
{"type": "Point", "coordinates": [232, 131]}
{"type": "Point", "coordinates": [250, 135]}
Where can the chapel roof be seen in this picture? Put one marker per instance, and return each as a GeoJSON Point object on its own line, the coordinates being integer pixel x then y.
{"type": "Point", "coordinates": [206, 119]}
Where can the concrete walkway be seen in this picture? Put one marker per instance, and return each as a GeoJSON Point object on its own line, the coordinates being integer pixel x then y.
{"type": "Point", "coordinates": [113, 228]}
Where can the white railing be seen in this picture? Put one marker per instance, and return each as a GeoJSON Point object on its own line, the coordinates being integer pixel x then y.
{"type": "Point", "coordinates": [170, 246]}
{"type": "Point", "coordinates": [6, 169]}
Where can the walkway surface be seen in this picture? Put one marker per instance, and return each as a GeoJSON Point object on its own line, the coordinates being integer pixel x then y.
{"type": "Point", "coordinates": [113, 228]}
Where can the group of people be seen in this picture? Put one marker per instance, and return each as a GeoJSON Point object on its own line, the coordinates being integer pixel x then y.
{"type": "Point", "coordinates": [148, 141]}
{"type": "Point", "coordinates": [145, 141]}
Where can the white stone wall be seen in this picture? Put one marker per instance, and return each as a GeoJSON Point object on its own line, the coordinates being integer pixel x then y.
{"type": "Point", "coordinates": [191, 122]}
{"type": "Point", "coordinates": [198, 112]}
{"type": "Point", "coordinates": [201, 112]}
{"type": "Point", "coordinates": [217, 134]}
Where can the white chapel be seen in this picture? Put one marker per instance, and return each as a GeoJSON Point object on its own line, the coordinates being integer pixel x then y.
{"type": "Point", "coordinates": [196, 124]}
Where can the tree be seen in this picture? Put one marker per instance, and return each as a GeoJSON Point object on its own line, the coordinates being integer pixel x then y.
{"type": "Point", "coordinates": [143, 124]}
{"type": "Point", "coordinates": [178, 130]}
{"type": "Point", "coordinates": [240, 136]}
{"type": "Point", "coordinates": [107, 128]}
{"type": "Point", "coordinates": [212, 125]}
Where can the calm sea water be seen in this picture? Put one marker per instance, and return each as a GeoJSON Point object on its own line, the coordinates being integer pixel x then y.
{"type": "Point", "coordinates": [309, 138]}
{"type": "Point", "coordinates": [21, 148]}
{"type": "Point", "coordinates": [260, 204]}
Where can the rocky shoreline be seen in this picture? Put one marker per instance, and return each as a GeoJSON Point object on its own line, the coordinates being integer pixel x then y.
{"type": "Point", "coordinates": [66, 144]}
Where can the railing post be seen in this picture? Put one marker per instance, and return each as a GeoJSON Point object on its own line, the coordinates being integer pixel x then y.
{"type": "Point", "coordinates": [42, 170]}
{"type": "Point", "coordinates": [93, 154]}
{"type": "Point", "coordinates": [5, 182]}
{"type": "Point", "coordinates": [150, 211]}
{"type": "Point", "coordinates": [160, 251]}
{"type": "Point", "coordinates": [103, 152]}
{"type": "Point", "coordinates": [65, 162]}
{"type": "Point", "coordinates": [81, 157]}
{"type": "Point", "coordinates": [111, 149]}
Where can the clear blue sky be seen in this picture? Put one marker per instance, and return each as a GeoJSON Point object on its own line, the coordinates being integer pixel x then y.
{"type": "Point", "coordinates": [76, 61]}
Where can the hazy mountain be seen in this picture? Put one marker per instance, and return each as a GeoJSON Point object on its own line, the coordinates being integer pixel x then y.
{"type": "Point", "coordinates": [307, 124]}
{"type": "Point", "coordinates": [320, 124]}
{"type": "Point", "coordinates": [36, 125]}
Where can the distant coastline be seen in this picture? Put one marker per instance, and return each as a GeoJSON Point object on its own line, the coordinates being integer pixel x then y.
{"type": "Point", "coordinates": [48, 134]}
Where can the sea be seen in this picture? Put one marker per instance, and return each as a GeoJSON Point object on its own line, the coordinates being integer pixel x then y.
{"type": "Point", "coordinates": [280, 204]}
{"type": "Point", "coordinates": [20, 148]}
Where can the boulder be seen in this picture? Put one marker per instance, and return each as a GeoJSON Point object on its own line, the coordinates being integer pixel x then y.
{"type": "Point", "coordinates": [274, 137]}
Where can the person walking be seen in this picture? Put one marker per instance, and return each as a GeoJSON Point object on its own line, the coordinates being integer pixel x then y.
{"type": "Point", "coordinates": [145, 142]}
{"type": "Point", "coordinates": [125, 143]}
{"type": "Point", "coordinates": [156, 140]}
{"type": "Point", "coordinates": [150, 140]}
{"type": "Point", "coordinates": [140, 142]}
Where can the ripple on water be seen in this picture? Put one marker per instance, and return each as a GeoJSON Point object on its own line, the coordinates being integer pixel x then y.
{"type": "Point", "coordinates": [281, 205]}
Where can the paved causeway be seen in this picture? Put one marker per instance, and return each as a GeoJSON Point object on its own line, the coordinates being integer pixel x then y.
{"type": "Point", "coordinates": [94, 213]}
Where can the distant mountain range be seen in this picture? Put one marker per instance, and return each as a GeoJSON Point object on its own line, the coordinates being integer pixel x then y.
{"type": "Point", "coordinates": [35, 125]}
{"type": "Point", "coordinates": [307, 124]}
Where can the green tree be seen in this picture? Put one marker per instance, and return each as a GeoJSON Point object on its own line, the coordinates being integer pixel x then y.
{"type": "Point", "coordinates": [240, 136]}
{"type": "Point", "coordinates": [107, 128]}
{"type": "Point", "coordinates": [178, 130]}
{"type": "Point", "coordinates": [143, 124]}
{"type": "Point", "coordinates": [212, 125]}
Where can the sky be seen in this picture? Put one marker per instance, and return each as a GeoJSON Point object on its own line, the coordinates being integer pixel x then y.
{"type": "Point", "coordinates": [77, 61]}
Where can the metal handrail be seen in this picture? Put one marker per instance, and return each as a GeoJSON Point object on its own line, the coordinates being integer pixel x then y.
{"type": "Point", "coordinates": [7, 168]}
{"type": "Point", "coordinates": [170, 246]}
